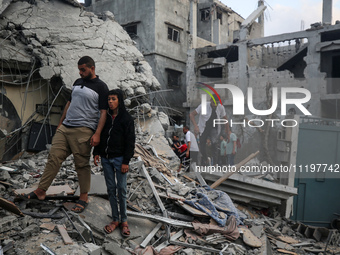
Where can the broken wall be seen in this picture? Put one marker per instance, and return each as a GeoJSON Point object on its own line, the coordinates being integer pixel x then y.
{"type": "Point", "coordinates": [132, 13]}
{"type": "Point", "coordinates": [200, 43]}
{"type": "Point", "coordinates": [219, 22]}
{"type": "Point", "coordinates": [261, 74]}
{"type": "Point", "coordinates": [163, 68]}
{"type": "Point", "coordinates": [161, 35]}
{"type": "Point", "coordinates": [41, 45]}
{"type": "Point", "coordinates": [272, 55]}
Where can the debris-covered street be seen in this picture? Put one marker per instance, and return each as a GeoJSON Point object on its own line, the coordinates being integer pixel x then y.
{"type": "Point", "coordinates": [254, 169]}
{"type": "Point", "coordinates": [169, 212]}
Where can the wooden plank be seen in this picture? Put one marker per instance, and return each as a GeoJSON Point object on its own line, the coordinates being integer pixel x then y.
{"type": "Point", "coordinates": [6, 183]}
{"type": "Point", "coordinates": [286, 252]}
{"type": "Point", "coordinates": [10, 206]}
{"type": "Point", "coordinates": [287, 239]}
{"type": "Point", "coordinates": [175, 196]}
{"type": "Point", "coordinates": [192, 210]}
{"type": "Point", "coordinates": [238, 166]}
{"type": "Point", "coordinates": [52, 190]}
{"type": "Point", "coordinates": [192, 180]}
{"type": "Point", "coordinates": [62, 230]}
{"type": "Point", "coordinates": [159, 187]}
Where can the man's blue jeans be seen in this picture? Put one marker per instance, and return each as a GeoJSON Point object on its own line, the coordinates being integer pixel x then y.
{"type": "Point", "coordinates": [231, 158]}
{"type": "Point", "coordinates": [115, 181]}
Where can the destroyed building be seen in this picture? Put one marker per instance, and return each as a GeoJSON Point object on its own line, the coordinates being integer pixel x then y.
{"type": "Point", "coordinates": [40, 46]}
{"type": "Point", "coordinates": [165, 30]}
{"type": "Point", "coordinates": [307, 60]}
{"type": "Point", "coordinates": [170, 212]}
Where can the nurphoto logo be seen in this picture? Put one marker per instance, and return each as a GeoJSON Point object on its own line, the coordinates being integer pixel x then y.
{"type": "Point", "coordinates": [239, 102]}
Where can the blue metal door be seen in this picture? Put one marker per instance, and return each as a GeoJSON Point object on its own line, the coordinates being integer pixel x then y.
{"type": "Point", "coordinates": [317, 172]}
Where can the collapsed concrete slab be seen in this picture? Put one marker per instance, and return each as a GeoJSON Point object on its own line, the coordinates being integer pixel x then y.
{"type": "Point", "coordinates": [40, 46]}
{"type": "Point", "coordinates": [57, 34]}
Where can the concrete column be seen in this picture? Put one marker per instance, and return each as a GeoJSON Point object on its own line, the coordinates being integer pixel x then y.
{"type": "Point", "coordinates": [327, 11]}
{"type": "Point", "coordinates": [292, 161]}
{"type": "Point", "coordinates": [211, 24]}
{"type": "Point", "coordinates": [261, 18]}
{"type": "Point", "coordinates": [314, 77]}
{"type": "Point", "coordinates": [193, 23]}
{"type": "Point", "coordinates": [243, 61]}
{"type": "Point", "coordinates": [216, 32]}
{"type": "Point", "coordinates": [190, 78]}
{"type": "Point", "coordinates": [243, 70]}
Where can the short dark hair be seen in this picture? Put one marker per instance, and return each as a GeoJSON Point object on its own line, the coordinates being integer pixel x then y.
{"type": "Point", "coordinates": [186, 127]}
{"type": "Point", "coordinates": [88, 61]}
{"type": "Point", "coordinates": [120, 96]}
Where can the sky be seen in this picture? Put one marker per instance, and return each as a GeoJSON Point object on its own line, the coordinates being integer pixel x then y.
{"type": "Point", "coordinates": [284, 16]}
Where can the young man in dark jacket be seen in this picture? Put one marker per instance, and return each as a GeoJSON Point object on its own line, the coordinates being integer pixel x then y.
{"type": "Point", "coordinates": [116, 148]}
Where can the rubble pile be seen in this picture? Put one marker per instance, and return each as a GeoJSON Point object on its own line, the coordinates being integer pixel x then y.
{"type": "Point", "coordinates": [53, 35]}
{"type": "Point", "coordinates": [169, 212]}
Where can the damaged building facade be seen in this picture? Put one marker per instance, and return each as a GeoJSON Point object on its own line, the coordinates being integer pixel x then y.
{"type": "Point", "coordinates": [260, 68]}
{"type": "Point", "coordinates": [165, 30]}
{"type": "Point", "coordinates": [169, 212]}
{"type": "Point", "coordinates": [41, 44]}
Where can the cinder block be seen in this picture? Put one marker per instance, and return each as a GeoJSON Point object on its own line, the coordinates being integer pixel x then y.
{"type": "Point", "coordinates": [8, 222]}
{"type": "Point", "coordinates": [29, 230]}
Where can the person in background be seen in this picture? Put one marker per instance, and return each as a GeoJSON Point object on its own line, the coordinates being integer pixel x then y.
{"type": "Point", "coordinates": [205, 128]}
{"type": "Point", "coordinates": [223, 150]}
{"type": "Point", "coordinates": [231, 148]}
{"type": "Point", "coordinates": [175, 145]}
{"type": "Point", "coordinates": [182, 155]}
{"type": "Point", "coordinates": [209, 151]}
{"type": "Point", "coordinates": [192, 150]}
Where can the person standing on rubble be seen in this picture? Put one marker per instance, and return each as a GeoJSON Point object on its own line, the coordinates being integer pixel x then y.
{"type": "Point", "coordinates": [205, 128]}
{"type": "Point", "coordinates": [192, 146]}
{"type": "Point", "coordinates": [79, 129]}
{"type": "Point", "coordinates": [175, 145]}
{"type": "Point", "coordinates": [116, 148]}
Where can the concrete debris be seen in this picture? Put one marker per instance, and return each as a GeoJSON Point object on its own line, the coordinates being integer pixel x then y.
{"type": "Point", "coordinates": [150, 192]}
{"type": "Point", "coordinates": [51, 33]}
{"type": "Point", "coordinates": [166, 201]}
{"type": "Point", "coordinates": [41, 42]}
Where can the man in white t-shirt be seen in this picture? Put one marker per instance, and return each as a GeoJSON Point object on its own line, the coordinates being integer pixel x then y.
{"type": "Point", "coordinates": [190, 139]}
{"type": "Point", "coordinates": [231, 148]}
{"type": "Point", "coordinates": [205, 128]}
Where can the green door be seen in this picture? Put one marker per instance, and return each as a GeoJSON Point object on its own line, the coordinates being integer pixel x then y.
{"type": "Point", "coordinates": [317, 172]}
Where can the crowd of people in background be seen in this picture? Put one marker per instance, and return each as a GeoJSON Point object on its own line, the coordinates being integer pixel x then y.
{"type": "Point", "coordinates": [210, 144]}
